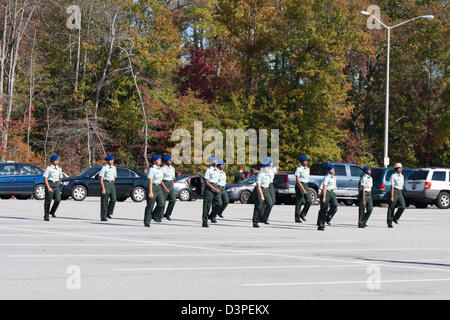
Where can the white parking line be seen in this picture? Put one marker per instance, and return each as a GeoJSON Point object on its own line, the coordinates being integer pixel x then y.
{"type": "Point", "coordinates": [340, 282]}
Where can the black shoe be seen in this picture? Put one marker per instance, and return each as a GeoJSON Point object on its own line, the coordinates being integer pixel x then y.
{"type": "Point", "coordinates": [109, 216]}
{"type": "Point", "coordinates": [54, 215]}
{"type": "Point", "coordinates": [298, 221]}
{"type": "Point", "coordinates": [266, 222]}
{"type": "Point", "coordinates": [205, 225]}
{"type": "Point", "coordinates": [213, 220]}
{"type": "Point", "coordinates": [46, 219]}
{"type": "Point", "coordinates": [396, 221]}
{"type": "Point", "coordinates": [167, 217]}
{"type": "Point", "coordinates": [104, 220]}
{"type": "Point", "coordinates": [321, 228]}
{"type": "Point", "coordinates": [329, 223]}
{"type": "Point", "coordinates": [361, 226]}
{"type": "Point", "coordinates": [390, 226]}
{"type": "Point", "coordinates": [303, 218]}
{"type": "Point", "coordinates": [147, 225]}
{"type": "Point", "coordinates": [220, 215]}
{"type": "Point", "coordinates": [255, 225]}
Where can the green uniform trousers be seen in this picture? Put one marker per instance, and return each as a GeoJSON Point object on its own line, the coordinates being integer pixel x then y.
{"type": "Point", "coordinates": [219, 206]}
{"type": "Point", "coordinates": [398, 201]}
{"type": "Point", "coordinates": [300, 196]}
{"type": "Point", "coordinates": [364, 210]}
{"type": "Point", "coordinates": [49, 196]}
{"type": "Point", "coordinates": [171, 197]}
{"type": "Point", "coordinates": [326, 215]}
{"type": "Point", "coordinates": [210, 197]}
{"type": "Point", "coordinates": [261, 206]}
{"type": "Point", "coordinates": [108, 200]}
{"type": "Point", "coordinates": [269, 206]}
{"type": "Point", "coordinates": [159, 199]}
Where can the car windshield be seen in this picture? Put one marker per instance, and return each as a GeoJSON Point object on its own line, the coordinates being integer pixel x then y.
{"type": "Point", "coordinates": [249, 180]}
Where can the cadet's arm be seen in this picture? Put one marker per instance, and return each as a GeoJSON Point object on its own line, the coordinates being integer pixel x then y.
{"type": "Point", "coordinates": [324, 192]}
{"type": "Point", "coordinates": [211, 186]}
{"type": "Point", "coordinates": [150, 187]}
{"type": "Point", "coordinates": [103, 185]}
{"type": "Point", "coordinates": [364, 194]}
{"type": "Point", "coordinates": [164, 186]}
{"type": "Point", "coordinates": [300, 184]}
{"type": "Point", "coordinates": [392, 191]}
{"type": "Point", "coordinates": [260, 191]}
{"type": "Point", "coordinates": [46, 184]}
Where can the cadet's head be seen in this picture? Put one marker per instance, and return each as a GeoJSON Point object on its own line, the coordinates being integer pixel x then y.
{"type": "Point", "coordinates": [330, 168]}
{"type": "Point", "coordinates": [265, 166]}
{"type": "Point", "coordinates": [156, 159]}
{"type": "Point", "coordinates": [168, 160]}
{"type": "Point", "coordinates": [109, 159]}
{"type": "Point", "coordinates": [54, 159]}
{"type": "Point", "coordinates": [213, 160]}
{"type": "Point", "coordinates": [304, 160]}
{"type": "Point", "coordinates": [398, 167]}
{"type": "Point", "coordinates": [221, 164]}
{"type": "Point", "coordinates": [367, 170]}
{"type": "Point", "coordinates": [269, 160]}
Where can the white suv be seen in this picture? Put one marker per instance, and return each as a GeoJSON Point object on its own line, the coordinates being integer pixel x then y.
{"type": "Point", "coordinates": [428, 186]}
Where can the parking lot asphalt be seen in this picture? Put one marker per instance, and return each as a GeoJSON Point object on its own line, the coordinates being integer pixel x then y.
{"type": "Point", "coordinates": [75, 256]}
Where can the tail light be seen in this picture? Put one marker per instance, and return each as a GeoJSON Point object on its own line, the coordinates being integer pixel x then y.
{"type": "Point", "coordinates": [382, 187]}
{"type": "Point", "coordinates": [287, 180]}
{"type": "Point", "coordinates": [427, 185]}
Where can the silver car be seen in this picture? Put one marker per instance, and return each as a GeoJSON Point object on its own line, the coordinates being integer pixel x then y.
{"type": "Point", "coordinates": [189, 187]}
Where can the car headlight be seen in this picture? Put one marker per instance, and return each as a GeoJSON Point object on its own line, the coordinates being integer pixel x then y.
{"type": "Point", "coordinates": [65, 183]}
{"type": "Point", "coordinates": [231, 189]}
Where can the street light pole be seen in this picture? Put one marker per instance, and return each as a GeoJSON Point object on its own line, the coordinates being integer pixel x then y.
{"type": "Point", "coordinates": [386, 129]}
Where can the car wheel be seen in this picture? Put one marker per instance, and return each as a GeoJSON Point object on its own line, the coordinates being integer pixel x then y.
{"type": "Point", "coordinates": [138, 194]}
{"type": "Point", "coordinates": [443, 200]}
{"type": "Point", "coordinates": [348, 203]}
{"type": "Point", "coordinates": [79, 193]}
{"type": "Point", "coordinates": [39, 192]}
{"type": "Point", "coordinates": [243, 197]}
{"type": "Point", "coordinates": [314, 197]}
{"type": "Point", "coordinates": [185, 195]}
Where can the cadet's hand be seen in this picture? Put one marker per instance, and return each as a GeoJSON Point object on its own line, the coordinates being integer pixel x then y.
{"type": "Point", "coordinates": [150, 195]}
{"type": "Point", "coordinates": [103, 191]}
{"type": "Point", "coordinates": [167, 190]}
{"type": "Point", "coordinates": [50, 189]}
{"type": "Point", "coordinates": [364, 202]}
{"type": "Point", "coordinates": [392, 199]}
{"type": "Point", "coordinates": [217, 191]}
{"type": "Point", "coordinates": [323, 200]}
{"type": "Point", "coordinates": [263, 199]}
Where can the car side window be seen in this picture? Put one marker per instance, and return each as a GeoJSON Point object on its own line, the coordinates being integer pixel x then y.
{"type": "Point", "coordinates": [438, 176]}
{"type": "Point", "coordinates": [28, 170]}
{"type": "Point", "coordinates": [123, 173]}
{"type": "Point", "coordinates": [339, 170]}
{"type": "Point", "coordinates": [8, 170]}
{"type": "Point", "coordinates": [356, 171]}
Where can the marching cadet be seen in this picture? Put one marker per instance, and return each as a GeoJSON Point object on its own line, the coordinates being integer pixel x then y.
{"type": "Point", "coordinates": [155, 192]}
{"type": "Point", "coordinates": [269, 206]}
{"type": "Point", "coordinates": [52, 179]}
{"type": "Point", "coordinates": [302, 190]}
{"type": "Point", "coordinates": [365, 197]}
{"type": "Point", "coordinates": [108, 175]}
{"type": "Point", "coordinates": [263, 200]}
{"type": "Point", "coordinates": [327, 198]}
{"type": "Point", "coordinates": [397, 181]}
{"type": "Point", "coordinates": [168, 178]}
{"type": "Point", "coordinates": [223, 195]}
{"type": "Point", "coordinates": [211, 191]}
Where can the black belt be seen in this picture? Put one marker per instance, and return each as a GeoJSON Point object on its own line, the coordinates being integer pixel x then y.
{"type": "Point", "coordinates": [156, 184]}
{"type": "Point", "coordinates": [168, 180]}
{"type": "Point", "coordinates": [110, 181]}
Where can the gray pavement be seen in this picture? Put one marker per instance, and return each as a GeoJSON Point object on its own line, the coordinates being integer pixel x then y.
{"type": "Point", "coordinates": [75, 256]}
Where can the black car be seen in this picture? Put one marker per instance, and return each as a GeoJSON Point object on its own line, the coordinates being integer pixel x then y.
{"type": "Point", "coordinates": [129, 183]}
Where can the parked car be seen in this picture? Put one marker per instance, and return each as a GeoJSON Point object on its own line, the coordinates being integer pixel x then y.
{"type": "Point", "coordinates": [284, 184]}
{"type": "Point", "coordinates": [429, 186]}
{"type": "Point", "coordinates": [129, 183]}
{"type": "Point", "coordinates": [347, 180]}
{"type": "Point", "coordinates": [21, 180]}
{"type": "Point", "coordinates": [381, 188]}
{"type": "Point", "coordinates": [241, 191]}
{"type": "Point", "coordinates": [189, 187]}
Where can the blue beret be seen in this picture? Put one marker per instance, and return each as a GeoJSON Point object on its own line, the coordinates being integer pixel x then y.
{"type": "Point", "coordinates": [221, 162]}
{"type": "Point", "coordinates": [269, 159]}
{"type": "Point", "coordinates": [303, 158]}
{"type": "Point", "coordinates": [329, 166]}
{"type": "Point", "coordinates": [211, 159]}
{"type": "Point", "coordinates": [109, 157]}
{"type": "Point", "coordinates": [156, 157]}
{"type": "Point", "coordinates": [167, 158]}
{"type": "Point", "coordinates": [54, 157]}
{"type": "Point", "coordinates": [266, 164]}
{"type": "Point", "coordinates": [366, 168]}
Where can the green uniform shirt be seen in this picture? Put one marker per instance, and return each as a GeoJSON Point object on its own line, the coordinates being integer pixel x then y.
{"type": "Point", "coordinates": [397, 181]}
{"type": "Point", "coordinates": [168, 173]}
{"type": "Point", "coordinates": [108, 172]}
{"type": "Point", "coordinates": [330, 182]}
{"type": "Point", "coordinates": [303, 173]}
{"type": "Point", "coordinates": [212, 174]}
{"type": "Point", "coordinates": [366, 181]}
{"type": "Point", "coordinates": [53, 173]}
{"type": "Point", "coordinates": [222, 181]}
{"type": "Point", "coordinates": [156, 174]}
{"type": "Point", "coordinates": [264, 178]}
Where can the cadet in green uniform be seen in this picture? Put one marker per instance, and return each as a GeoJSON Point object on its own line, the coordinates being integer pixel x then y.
{"type": "Point", "coordinates": [211, 191]}
{"type": "Point", "coordinates": [397, 181]}
{"type": "Point", "coordinates": [223, 195]}
{"type": "Point", "coordinates": [302, 190]}
{"type": "Point", "coordinates": [52, 179]}
{"type": "Point", "coordinates": [268, 209]}
{"type": "Point", "coordinates": [169, 192]}
{"type": "Point", "coordinates": [108, 175]}
{"type": "Point", "coordinates": [327, 198]}
{"type": "Point", "coordinates": [263, 200]}
{"type": "Point", "coordinates": [365, 197]}
{"type": "Point", "coordinates": [154, 192]}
